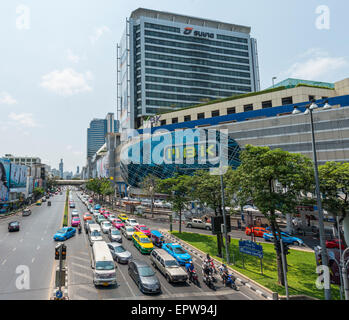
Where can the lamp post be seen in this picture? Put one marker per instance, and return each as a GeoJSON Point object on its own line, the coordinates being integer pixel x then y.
{"type": "Point", "coordinates": [324, 256]}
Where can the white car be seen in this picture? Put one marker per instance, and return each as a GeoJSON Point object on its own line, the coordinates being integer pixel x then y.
{"type": "Point", "coordinates": [132, 222]}
{"type": "Point", "coordinates": [105, 226]}
{"type": "Point", "coordinates": [112, 217]}
{"type": "Point", "coordinates": [127, 231]}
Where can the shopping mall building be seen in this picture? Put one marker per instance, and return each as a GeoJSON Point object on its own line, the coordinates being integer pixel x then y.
{"type": "Point", "coordinates": [262, 119]}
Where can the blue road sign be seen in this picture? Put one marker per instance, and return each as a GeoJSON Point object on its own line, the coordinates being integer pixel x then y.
{"type": "Point", "coordinates": [59, 294]}
{"type": "Point", "coordinates": [251, 248]}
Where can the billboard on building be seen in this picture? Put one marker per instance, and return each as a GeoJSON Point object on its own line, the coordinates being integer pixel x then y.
{"type": "Point", "coordinates": [4, 179]}
{"type": "Point", "coordinates": [18, 177]}
{"type": "Point", "coordinates": [102, 167]}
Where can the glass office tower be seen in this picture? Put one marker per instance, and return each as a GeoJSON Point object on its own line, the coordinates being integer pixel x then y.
{"type": "Point", "coordinates": [168, 61]}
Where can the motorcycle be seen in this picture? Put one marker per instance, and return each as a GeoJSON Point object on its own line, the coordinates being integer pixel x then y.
{"type": "Point", "coordinates": [79, 228]}
{"type": "Point", "coordinates": [193, 277]}
{"type": "Point", "coordinates": [229, 281]}
{"type": "Point", "coordinates": [213, 267]}
{"type": "Point", "coordinates": [208, 279]}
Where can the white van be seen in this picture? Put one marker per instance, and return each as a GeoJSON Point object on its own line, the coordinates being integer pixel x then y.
{"type": "Point", "coordinates": [103, 265]}
{"type": "Point", "coordinates": [94, 233]}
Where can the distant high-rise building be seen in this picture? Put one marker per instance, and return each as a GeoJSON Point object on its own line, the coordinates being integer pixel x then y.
{"type": "Point", "coordinates": [97, 131]}
{"type": "Point", "coordinates": [61, 169]}
{"type": "Point", "coordinates": [77, 170]}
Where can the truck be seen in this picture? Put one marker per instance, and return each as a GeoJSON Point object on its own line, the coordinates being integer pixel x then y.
{"type": "Point", "coordinates": [199, 224]}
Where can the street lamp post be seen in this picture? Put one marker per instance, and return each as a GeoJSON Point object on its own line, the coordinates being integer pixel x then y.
{"type": "Point", "coordinates": [324, 256]}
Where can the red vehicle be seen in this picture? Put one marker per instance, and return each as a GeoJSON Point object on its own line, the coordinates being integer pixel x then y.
{"type": "Point", "coordinates": [106, 214]}
{"type": "Point", "coordinates": [118, 223]}
{"type": "Point", "coordinates": [257, 231]}
{"type": "Point", "coordinates": [334, 243]}
{"type": "Point", "coordinates": [144, 229]}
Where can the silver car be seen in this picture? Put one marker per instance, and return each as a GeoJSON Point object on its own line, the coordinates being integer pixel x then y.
{"type": "Point", "coordinates": [127, 231]}
{"type": "Point", "coordinates": [119, 253]}
{"type": "Point", "coordinates": [132, 222]}
{"type": "Point", "coordinates": [115, 235]}
{"type": "Point", "coordinates": [105, 226]}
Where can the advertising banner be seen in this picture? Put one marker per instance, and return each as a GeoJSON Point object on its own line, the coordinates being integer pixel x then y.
{"type": "Point", "coordinates": [18, 177]}
{"type": "Point", "coordinates": [4, 179]}
{"type": "Point", "coordinates": [103, 167]}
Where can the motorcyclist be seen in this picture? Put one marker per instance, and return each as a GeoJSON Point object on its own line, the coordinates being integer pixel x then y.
{"type": "Point", "coordinates": [206, 269]}
{"type": "Point", "coordinates": [189, 267]}
{"type": "Point", "coordinates": [224, 272]}
{"type": "Point", "coordinates": [79, 227]}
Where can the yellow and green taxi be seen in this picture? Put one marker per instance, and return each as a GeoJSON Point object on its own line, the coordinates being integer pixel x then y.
{"type": "Point", "coordinates": [142, 242]}
{"type": "Point", "coordinates": [123, 217]}
{"type": "Point", "coordinates": [38, 203]}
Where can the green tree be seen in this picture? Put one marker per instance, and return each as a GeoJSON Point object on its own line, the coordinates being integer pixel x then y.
{"type": "Point", "coordinates": [38, 192]}
{"type": "Point", "coordinates": [177, 188]}
{"type": "Point", "coordinates": [273, 180]}
{"type": "Point", "coordinates": [207, 189]}
{"type": "Point", "coordinates": [334, 186]}
{"type": "Point", "coordinates": [149, 185]}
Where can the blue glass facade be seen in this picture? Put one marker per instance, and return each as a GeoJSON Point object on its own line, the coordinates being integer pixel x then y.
{"type": "Point", "coordinates": [166, 154]}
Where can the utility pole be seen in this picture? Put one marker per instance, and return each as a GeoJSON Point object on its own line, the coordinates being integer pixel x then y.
{"type": "Point", "coordinates": [284, 267]}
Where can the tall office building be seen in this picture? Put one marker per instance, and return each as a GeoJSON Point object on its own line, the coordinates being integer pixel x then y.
{"type": "Point", "coordinates": [61, 169]}
{"type": "Point", "coordinates": [169, 61]}
{"type": "Point", "coordinates": [97, 131]}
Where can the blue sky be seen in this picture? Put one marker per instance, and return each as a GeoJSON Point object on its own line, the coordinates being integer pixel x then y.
{"type": "Point", "coordinates": [58, 60]}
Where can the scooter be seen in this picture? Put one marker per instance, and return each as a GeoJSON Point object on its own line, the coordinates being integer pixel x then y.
{"type": "Point", "coordinates": [193, 277]}
{"type": "Point", "coordinates": [230, 281]}
{"type": "Point", "coordinates": [208, 279]}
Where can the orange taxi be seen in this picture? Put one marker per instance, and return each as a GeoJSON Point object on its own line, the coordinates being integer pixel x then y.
{"type": "Point", "coordinates": [257, 231]}
{"type": "Point", "coordinates": [87, 216]}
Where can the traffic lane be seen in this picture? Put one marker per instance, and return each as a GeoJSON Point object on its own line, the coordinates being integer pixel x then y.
{"type": "Point", "coordinates": [176, 291]}
{"type": "Point", "coordinates": [31, 248]}
{"type": "Point", "coordinates": [81, 284]}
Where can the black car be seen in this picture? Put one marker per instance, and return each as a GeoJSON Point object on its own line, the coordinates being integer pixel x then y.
{"type": "Point", "coordinates": [144, 276]}
{"type": "Point", "coordinates": [13, 226]}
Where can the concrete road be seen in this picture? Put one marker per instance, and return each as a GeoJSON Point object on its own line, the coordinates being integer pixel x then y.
{"type": "Point", "coordinates": [27, 256]}
{"type": "Point", "coordinates": [81, 287]}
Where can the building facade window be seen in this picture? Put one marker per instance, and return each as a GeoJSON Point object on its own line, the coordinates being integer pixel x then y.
{"type": "Point", "coordinates": [187, 118]}
{"type": "Point", "coordinates": [248, 107]}
{"type": "Point", "coordinates": [215, 113]}
{"type": "Point", "coordinates": [174, 120]}
{"type": "Point", "coordinates": [311, 98]}
{"type": "Point", "coordinates": [231, 110]}
{"type": "Point", "coordinates": [287, 100]}
{"type": "Point", "coordinates": [163, 122]}
{"type": "Point", "coordinates": [201, 116]}
{"type": "Point", "coordinates": [267, 104]}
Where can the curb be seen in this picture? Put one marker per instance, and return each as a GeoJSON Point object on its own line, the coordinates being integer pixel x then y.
{"type": "Point", "coordinates": [244, 281]}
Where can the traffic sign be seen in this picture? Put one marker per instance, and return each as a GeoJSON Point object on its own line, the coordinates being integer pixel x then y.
{"type": "Point", "coordinates": [251, 248]}
{"type": "Point", "coordinates": [59, 294]}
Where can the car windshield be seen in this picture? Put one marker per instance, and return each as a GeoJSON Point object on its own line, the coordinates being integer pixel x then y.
{"type": "Point", "coordinates": [178, 250]}
{"type": "Point", "coordinates": [144, 240]}
{"type": "Point", "coordinates": [104, 265]}
{"type": "Point", "coordinates": [171, 263]}
{"type": "Point", "coordinates": [95, 233]}
{"type": "Point", "coordinates": [146, 272]}
{"type": "Point", "coordinates": [132, 221]}
{"type": "Point", "coordinates": [130, 229]}
{"type": "Point", "coordinates": [14, 223]}
{"type": "Point", "coordinates": [143, 228]}
{"type": "Point", "coordinates": [115, 232]}
{"type": "Point", "coordinates": [106, 224]}
{"type": "Point", "coordinates": [118, 221]}
{"type": "Point", "coordinates": [61, 231]}
{"type": "Point", "coordinates": [119, 249]}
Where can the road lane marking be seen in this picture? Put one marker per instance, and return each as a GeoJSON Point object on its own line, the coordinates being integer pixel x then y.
{"type": "Point", "coordinates": [33, 260]}
{"type": "Point", "coordinates": [14, 249]}
{"type": "Point", "coordinates": [38, 247]}
{"type": "Point", "coordinates": [4, 262]}
{"type": "Point", "coordinates": [42, 239]}
{"type": "Point", "coordinates": [21, 240]}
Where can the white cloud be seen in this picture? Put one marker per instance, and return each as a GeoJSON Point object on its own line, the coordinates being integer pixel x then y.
{"type": "Point", "coordinates": [72, 57]}
{"type": "Point", "coordinates": [22, 120]}
{"type": "Point", "coordinates": [69, 147]}
{"type": "Point", "coordinates": [78, 153]}
{"type": "Point", "coordinates": [316, 64]}
{"type": "Point", "coordinates": [98, 33]}
{"type": "Point", "coordinates": [6, 98]}
{"type": "Point", "coordinates": [67, 82]}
